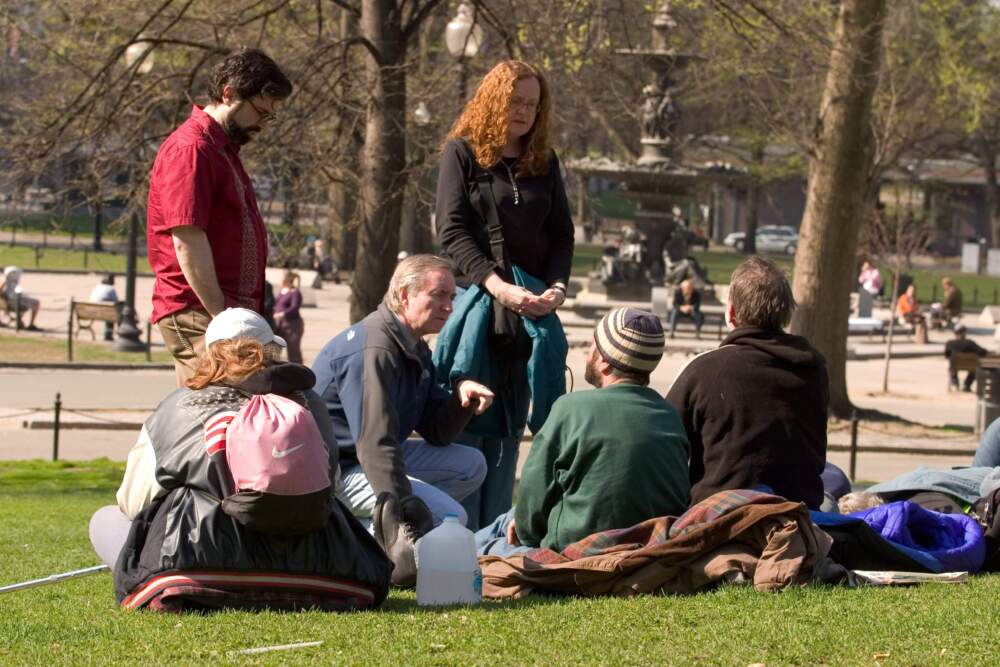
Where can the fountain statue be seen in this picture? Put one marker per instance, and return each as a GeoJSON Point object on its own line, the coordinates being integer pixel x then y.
{"type": "Point", "coordinates": [657, 248]}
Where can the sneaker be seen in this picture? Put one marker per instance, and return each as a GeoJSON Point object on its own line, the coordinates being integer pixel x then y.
{"type": "Point", "coordinates": [32, 327]}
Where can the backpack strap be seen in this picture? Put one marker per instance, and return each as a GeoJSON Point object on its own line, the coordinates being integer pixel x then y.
{"type": "Point", "coordinates": [486, 205]}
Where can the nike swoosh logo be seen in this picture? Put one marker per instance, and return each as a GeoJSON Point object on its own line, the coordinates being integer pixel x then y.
{"type": "Point", "coordinates": [280, 454]}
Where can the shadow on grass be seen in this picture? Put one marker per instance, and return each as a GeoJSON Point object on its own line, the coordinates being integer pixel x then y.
{"type": "Point", "coordinates": [395, 604]}
{"type": "Point", "coordinates": [878, 416]}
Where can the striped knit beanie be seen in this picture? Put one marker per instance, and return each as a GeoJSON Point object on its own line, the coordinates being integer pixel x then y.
{"type": "Point", "coordinates": [630, 339]}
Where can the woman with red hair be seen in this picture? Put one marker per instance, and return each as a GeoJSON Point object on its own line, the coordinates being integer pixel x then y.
{"type": "Point", "coordinates": [501, 203]}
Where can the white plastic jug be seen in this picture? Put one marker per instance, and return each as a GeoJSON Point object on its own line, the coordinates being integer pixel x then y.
{"type": "Point", "coordinates": [447, 568]}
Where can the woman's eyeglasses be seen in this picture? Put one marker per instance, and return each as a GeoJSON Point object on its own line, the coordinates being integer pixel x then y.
{"type": "Point", "coordinates": [528, 105]}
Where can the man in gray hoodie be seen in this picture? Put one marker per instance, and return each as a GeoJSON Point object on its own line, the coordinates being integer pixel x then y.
{"type": "Point", "coordinates": [755, 408]}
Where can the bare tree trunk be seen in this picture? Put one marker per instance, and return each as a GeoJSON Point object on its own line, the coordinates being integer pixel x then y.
{"type": "Point", "coordinates": [987, 159]}
{"type": "Point", "coordinates": [383, 158]}
{"type": "Point", "coordinates": [824, 262]}
{"type": "Point", "coordinates": [892, 322]}
{"type": "Point", "coordinates": [415, 237]}
{"type": "Point", "coordinates": [753, 212]}
{"type": "Point", "coordinates": [753, 204]}
{"type": "Point", "coordinates": [343, 206]}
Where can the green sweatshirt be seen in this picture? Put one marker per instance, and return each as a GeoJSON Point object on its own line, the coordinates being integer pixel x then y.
{"type": "Point", "coordinates": [607, 458]}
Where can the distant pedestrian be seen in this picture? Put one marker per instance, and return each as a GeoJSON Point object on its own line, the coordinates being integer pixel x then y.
{"type": "Point", "coordinates": [869, 287]}
{"type": "Point", "coordinates": [18, 300]}
{"type": "Point", "coordinates": [952, 303]}
{"type": "Point", "coordinates": [206, 238]}
{"type": "Point", "coordinates": [687, 303]}
{"type": "Point", "coordinates": [290, 325]}
{"type": "Point", "coordinates": [961, 344]}
{"type": "Point", "coordinates": [104, 291]}
{"type": "Point", "coordinates": [908, 308]}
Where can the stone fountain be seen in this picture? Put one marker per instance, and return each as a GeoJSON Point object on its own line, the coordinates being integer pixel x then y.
{"type": "Point", "coordinates": [657, 181]}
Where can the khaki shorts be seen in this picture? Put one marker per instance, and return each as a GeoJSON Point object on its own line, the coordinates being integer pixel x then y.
{"type": "Point", "coordinates": [184, 335]}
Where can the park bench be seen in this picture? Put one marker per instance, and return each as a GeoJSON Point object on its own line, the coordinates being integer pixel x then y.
{"type": "Point", "coordinates": [10, 311]}
{"type": "Point", "coordinates": [83, 315]}
{"type": "Point", "coordinates": [961, 361]}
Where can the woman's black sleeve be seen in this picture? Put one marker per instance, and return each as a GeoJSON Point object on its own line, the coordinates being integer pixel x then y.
{"type": "Point", "coordinates": [454, 215]}
{"type": "Point", "coordinates": [560, 230]}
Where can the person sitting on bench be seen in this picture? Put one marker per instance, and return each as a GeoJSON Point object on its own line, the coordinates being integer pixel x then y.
{"type": "Point", "coordinates": [961, 344]}
{"type": "Point", "coordinates": [12, 291]}
{"type": "Point", "coordinates": [687, 303]}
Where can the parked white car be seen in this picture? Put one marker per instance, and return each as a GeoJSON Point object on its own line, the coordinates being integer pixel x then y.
{"type": "Point", "coordinates": [770, 238]}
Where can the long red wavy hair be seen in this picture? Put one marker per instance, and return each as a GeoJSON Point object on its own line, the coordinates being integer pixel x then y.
{"type": "Point", "coordinates": [483, 122]}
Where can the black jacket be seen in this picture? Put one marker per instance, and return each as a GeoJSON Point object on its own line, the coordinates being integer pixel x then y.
{"type": "Point", "coordinates": [755, 413]}
{"type": "Point", "coordinates": [184, 550]}
{"type": "Point", "coordinates": [537, 231]}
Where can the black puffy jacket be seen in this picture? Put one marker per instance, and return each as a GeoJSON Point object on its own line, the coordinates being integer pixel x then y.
{"type": "Point", "coordinates": [183, 551]}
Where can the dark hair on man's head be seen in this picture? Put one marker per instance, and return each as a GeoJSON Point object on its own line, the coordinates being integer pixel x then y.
{"type": "Point", "coordinates": [108, 279]}
{"type": "Point", "coordinates": [635, 377]}
{"type": "Point", "coordinates": [250, 72]}
{"type": "Point", "coordinates": [760, 295]}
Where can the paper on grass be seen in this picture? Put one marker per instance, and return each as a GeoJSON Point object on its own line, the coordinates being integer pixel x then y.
{"type": "Point", "coordinates": [891, 577]}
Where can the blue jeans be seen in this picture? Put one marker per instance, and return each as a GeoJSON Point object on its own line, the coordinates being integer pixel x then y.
{"type": "Point", "coordinates": [988, 452]}
{"type": "Point", "coordinates": [440, 476]}
{"type": "Point", "coordinates": [492, 540]}
{"type": "Point", "coordinates": [695, 316]}
{"type": "Point", "coordinates": [496, 495]}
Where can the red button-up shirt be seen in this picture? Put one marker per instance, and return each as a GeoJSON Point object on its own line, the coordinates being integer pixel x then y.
{"type": "Point", "coordinates": [198, 179]}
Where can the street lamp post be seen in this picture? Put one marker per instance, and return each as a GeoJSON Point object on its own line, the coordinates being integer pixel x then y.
{"type": "Point", "coordinates": [137, 55]}
{"type": "Point", "coordinates": [463, 37]}
{"type": "Point", "coordinates": [416, 231]}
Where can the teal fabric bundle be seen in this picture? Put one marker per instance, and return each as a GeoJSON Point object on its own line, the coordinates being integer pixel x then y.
{"type": "Point", "coordinates": [462, 351]}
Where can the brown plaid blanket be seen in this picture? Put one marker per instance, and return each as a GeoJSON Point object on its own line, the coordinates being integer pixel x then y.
{"type": "Point", "coordinates": [739, 536]}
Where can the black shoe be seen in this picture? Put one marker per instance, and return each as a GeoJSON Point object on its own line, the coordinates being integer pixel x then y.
{"type": "Point", "coordinates": [32, 327]}
{"type": "Point", "coordinates": [397, 525]}
{"type": "Point", "coordinates": [967, 390]}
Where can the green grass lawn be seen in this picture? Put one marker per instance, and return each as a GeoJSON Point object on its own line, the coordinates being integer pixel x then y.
{"type": "Point", "coordinates": [27, 346]}
{"type": "Point", "coordinates": [45, 507]}
{"type": "Point", "coordinates": [64, 258]}
{"type": "Point", "coordinates": [81, 225]}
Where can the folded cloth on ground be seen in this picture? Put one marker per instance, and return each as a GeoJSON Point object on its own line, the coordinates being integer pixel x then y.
{"type": "Point", "coordinates": [962, 483]}
{"type": "Point", "coordinates": [736, 536]}
{"type": "Point", "coordinates": [955, 540]}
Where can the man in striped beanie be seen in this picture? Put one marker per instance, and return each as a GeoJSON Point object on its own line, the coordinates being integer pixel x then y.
{"type": "Point", "coordinates": [608, 458]}
{"type": "Point", "coordinates": [628, 345]}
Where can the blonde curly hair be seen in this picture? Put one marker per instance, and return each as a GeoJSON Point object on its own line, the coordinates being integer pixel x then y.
{"type": "Point", "coordinates": [483, 122]}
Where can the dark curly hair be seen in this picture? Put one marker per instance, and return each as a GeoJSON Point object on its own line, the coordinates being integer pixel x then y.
{"type": "Point", "coordinates": [250, 72]}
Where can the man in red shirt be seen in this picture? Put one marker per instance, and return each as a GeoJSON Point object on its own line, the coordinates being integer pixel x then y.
{"type": "Point", "coordinates": [206, 239]}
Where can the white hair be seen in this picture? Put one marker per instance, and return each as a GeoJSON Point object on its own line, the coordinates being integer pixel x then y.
{"type": "Point", "coordinates": [409, 275]}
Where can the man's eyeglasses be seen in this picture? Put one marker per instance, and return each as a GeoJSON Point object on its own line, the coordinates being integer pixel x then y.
{"type": "Point", "coordinates": [528, 105]}
{"type": "Point", "coordinates": [262, 116]}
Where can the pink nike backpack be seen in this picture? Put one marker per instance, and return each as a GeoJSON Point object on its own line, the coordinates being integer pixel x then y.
{"type": "Point", "coordinates": [280, 467]}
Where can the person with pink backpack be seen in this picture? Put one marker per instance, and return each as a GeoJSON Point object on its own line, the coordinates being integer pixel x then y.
{"type": "Point", "coordinates": [229, 498]}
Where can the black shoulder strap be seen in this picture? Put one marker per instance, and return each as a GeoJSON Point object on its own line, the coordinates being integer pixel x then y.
{"type": "Point", "coordinates": [487, 205]}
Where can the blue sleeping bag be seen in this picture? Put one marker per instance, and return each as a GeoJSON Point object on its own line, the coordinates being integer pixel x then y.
{"type": "Point", "coordinates": [954, 540]}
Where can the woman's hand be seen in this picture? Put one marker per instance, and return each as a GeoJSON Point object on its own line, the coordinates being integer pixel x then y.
{"type": "Point", "coordinates": [515, 298]}
{"type": "Point", "coordinates": [552, 298]}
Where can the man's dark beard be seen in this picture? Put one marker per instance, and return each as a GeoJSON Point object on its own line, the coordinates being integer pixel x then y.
{"type": "Point", "coordinates": [590, 373]}
{"type": "Point", "coordinates": [237, 134]}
